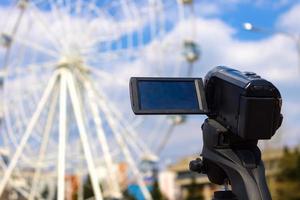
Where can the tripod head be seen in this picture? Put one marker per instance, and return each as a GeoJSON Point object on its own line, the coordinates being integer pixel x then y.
{"type": "Point", "coordinates": [242, 108]}
{"type": "Point", "coordinates": [226, 158]}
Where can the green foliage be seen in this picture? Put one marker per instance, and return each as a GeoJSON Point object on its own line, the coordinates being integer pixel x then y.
{"type": "Point", "coordinates": [288, 177]}
{"type": "Point", "coordinates": [194, 191]}
{"type": "Point", "coordinates": [156, 193]}
{"type": "Point", "coordinates": [88, 189]}
{"type": "Point", "coordinates": [45, 192]}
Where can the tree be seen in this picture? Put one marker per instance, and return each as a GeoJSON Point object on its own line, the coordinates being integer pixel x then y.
{"type": "Point", "coordinates": [87, 188]}
{"type": "Point", "coordinates": [45, 192]}
{"type": "Point", "coordinates": [194, 192]}
{"type": "Point", "coordinates": [156, 193]}
{"type": "Point", "coordinates": [88, 191]}
{"type": "Point", "coordinates": [288, 177]}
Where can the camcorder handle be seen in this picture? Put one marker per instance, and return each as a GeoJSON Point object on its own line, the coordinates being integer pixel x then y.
{"type": "Point", "coordinates": [227, 158]}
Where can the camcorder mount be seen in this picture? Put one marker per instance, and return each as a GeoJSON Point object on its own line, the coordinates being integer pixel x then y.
{"type": "Point", "coordinates": [242, 108]}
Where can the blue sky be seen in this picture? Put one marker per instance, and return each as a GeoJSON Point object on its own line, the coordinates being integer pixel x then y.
{"type": "Point", "coordinates": [263, 15]}
{"type": "Point", "coordinates": [271, 15]}
{"type": "Point", "coordinates": [218, 31]}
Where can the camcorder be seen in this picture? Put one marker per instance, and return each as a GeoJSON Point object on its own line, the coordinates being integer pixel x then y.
{"type": "Point", "coordinates": [242, 108]}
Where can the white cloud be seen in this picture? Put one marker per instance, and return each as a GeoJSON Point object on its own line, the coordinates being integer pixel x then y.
{"type": "Point", "coordinates": [273, 58]}
{"type": "Point", "coordinates": [208, 9]}
{"type": "Point", "coordinates": [290, 21]}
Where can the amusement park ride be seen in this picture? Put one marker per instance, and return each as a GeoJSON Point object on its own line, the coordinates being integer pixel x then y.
{"type": "Point", "coordinates": [61, 92]}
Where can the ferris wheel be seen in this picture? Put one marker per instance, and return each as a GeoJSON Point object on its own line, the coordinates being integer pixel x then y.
{"type": "Point", "coordinates": [65, 68]}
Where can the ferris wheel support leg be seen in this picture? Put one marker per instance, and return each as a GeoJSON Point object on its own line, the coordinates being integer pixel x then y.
{"type": "Point", "coordinates": [44, 145]}
{"type": "Point", "coordinates": [136, 144]}
{"type": "Point", "coordinates": [79, 169]}
{"type": "Point", "coordinates": [132, 142]}
{"type": "Point", "coordinates": [129, 159]}
{"type": "Point", "coordinates": [62, 135]}
{"type": "Point", "coordinates": [52, 190]}
{"type": "Point", "coordinates": [80, 195]}
{"type": "Point", "coordinates": [126, 152]}
{"type": "Point", "coordinates": [165, 139]}
{"type": "Point", "coordinates": [28, 132]}
{"type": "Point", "coordinates": [113, 181]}
{"type": "Point", "coordinates": [83, 136]}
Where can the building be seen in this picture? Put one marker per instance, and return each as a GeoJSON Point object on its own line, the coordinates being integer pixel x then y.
{"type": "Point", "coordinates": [177, 182]}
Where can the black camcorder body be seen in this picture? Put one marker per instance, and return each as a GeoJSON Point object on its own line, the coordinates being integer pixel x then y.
{"type": "Point", "coordinates": [242, 108]}
{"type": "Point", "coordinates": [247, 105]}
{"type": "Point", "coordinates": [244, 103]}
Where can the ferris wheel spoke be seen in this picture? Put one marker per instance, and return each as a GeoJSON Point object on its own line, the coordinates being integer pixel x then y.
{"type": "Point", "coordinates": [129, 18]}
{"type": "Point", "coordinates": [137, 144]}
{"type": "Point", "coordinates": [162, 18]}
{"type": "Point", "coordinates": [83, 136]}
{"type": "Point", "coordinates": [159, 127]}
{"type": "Point", "coordinates": [114, 55]}
{"type": "Point", "coordinates": [12, 36]}
{"type": "Point", "coordinates": [152, 17]}
{"type": "Point", "coordinates": [58, 43]}
{"type": "Point", "coordinates": [22, 70]}
{"type": "Point", "coordinates": [113, 180]}
{"type": "Point", "coordinates": [165, 139]}
{"type": "Point", "coordinates": [106, 76]}
{"type": "Point", "coordinates": [127, 129]}
{"type": "Point", "coordinates": [68, 6]}
{"type": "Point", "coordinates": [17, 174]}
{"type": "Point", "coordinates": [62, 137]}
{"type": "Point", "coordinates": [44, 146]}
{"type": "Point", "coordinates": [8, 126]}
{"type": "Point", "coordinates": [103, 15]}
{"type": "Point", "coordinates": [34, 14]}
{"type": "Point", "coordinates": [11, 131]}
{"type": "Point", "coordinates": [21, 191]}
{"type": "Point", "coordinates": [27, 134]}
{"type": "Point", "coordinates": [133, 143]}
{"type": "Point", "coordinates": [35, 46]}
{"type": "Point", "coordinates": [78, 7]}
{"type": "Point", "coordinates": [22, 118]}
{"type": "Point", "coordinates": [127, 154]}
{"type": "Point", "coordinates": [124, 148]}
{"type": "Point", "coordinates": [63, 22]}
{"type": "Point", "coordinates": [95, 38]}
{"type": "Point", "coordinates": [21, 121]}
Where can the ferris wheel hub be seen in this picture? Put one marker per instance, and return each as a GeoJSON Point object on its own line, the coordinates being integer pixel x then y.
{"type": "Point", "coordinates": [22, 4]}
{"type": "Point", "coordinates": [72, 62]}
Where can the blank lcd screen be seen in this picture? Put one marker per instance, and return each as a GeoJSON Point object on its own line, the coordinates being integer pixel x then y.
{"type": "Point", "coordinates": [167, 95]}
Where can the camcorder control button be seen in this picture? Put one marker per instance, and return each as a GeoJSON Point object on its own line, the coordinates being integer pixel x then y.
{"type": "Point", "coordinates": [249, 73]}
{"type": "Point", "coordinates": [197, 166]}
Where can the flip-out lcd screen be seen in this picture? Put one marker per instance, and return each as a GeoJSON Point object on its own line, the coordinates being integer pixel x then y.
{"type": "Point", "coordinates": [167, 96]}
